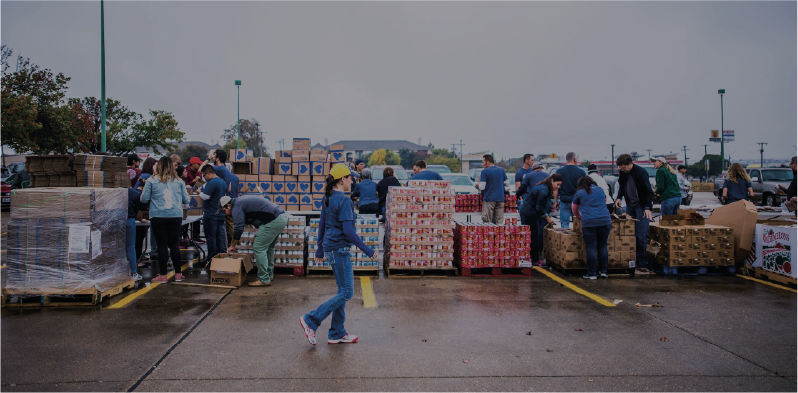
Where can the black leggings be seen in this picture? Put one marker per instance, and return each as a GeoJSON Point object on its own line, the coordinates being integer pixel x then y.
{"type": "Point", "coordinates": [167, 234]}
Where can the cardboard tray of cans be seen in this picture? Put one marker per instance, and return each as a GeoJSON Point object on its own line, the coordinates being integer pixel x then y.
{"type": "Point", "coordinates": [419, 228]}
{"type": "Point", "coordinates": [290, 248]}
{"type": "Point", "coordinates": [685, 240]}
{"type": "Point", "coordinates": [473, 203]}
{"type": "Point", "coordinates": [480, 245]}
{"type": "Point", "coordinates": [565, 248]}
{"type": "Point", "coordinates": [367, 229]}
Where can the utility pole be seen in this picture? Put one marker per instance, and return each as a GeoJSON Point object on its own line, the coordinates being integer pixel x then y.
{"type": "Point", "coordinates": [722, 153]}
{"type": "Point", "coordinates": [454, 150]}
{"type": "Point", "coordinates": [102, 75]}
{"type": "Point", "coordinates": [612, 160]}
{"type": "Point", "coordinates": [649, 154]}
{"type": "Point", "coordinates": [461, 155]}
{"type": "Point", "coordinates": [685, 154]}
{"type": "Point", "coordinates": [706, 166]}
{"type": "Point", "coordinates": [762, 154]}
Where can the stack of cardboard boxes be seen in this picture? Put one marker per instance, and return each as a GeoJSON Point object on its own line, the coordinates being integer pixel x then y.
{"type": "Point", "coordinates": [566, 247]}
{"type": "Point", "coordinates": [101, 171]}
{"type": "Point", "coordinates": [686, 240]}
{"type": "Point", "coordinates": [419, 228]}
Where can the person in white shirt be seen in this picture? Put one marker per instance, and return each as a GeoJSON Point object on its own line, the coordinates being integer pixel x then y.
{"type": "Point", "coordinates": [684, 185]}
{"type": "Point", "coordinates": [592, 172]}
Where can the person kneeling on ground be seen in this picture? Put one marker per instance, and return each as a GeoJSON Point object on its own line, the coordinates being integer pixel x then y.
{"type": "Point", "coordinates": [366, 192]}
{"type": "Point", "coordinates": [337, 234]}
{"type": "Point", "coordinates": [268, 218]}
{"type": "Point", "coordinates": [588, 205]}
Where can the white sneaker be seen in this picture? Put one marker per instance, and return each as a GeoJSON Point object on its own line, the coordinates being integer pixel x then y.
{"type": "Point", "coordinates": [348, 339]}
{"type": "Point", "coordinates": [309, 333]}
{"type": "Point", "coordinates": [136, 276]}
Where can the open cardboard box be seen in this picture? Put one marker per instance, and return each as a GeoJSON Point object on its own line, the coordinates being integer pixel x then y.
{"type": "Point", "coordinates": [741, 216]}
{"type": "Point", "coordinates": [230, 269]}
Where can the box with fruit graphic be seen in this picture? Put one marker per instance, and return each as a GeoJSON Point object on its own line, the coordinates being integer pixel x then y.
{"type": "Point", "coordinates": [775, 249]}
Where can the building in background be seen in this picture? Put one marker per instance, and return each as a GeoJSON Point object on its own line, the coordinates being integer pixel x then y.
{"type": "Point", "coordinates": [359, 149]}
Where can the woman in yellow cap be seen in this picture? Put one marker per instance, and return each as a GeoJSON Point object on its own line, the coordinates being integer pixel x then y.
{"type": "Point", "coordinates": [337, 234]}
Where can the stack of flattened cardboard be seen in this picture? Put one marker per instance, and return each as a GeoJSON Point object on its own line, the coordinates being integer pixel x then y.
{"type": "Point", "coordinates": [101, 171]}
{"type": "Point", "coordinates": [50, 171]}
{"type": "Point", "coordinates": [566, 247]}
{"type": "Point", "coordinates": [685, 240]}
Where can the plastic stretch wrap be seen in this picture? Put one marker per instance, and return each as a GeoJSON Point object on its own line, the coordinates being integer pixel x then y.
{"type": "Point", "coordinates": [66, 240]}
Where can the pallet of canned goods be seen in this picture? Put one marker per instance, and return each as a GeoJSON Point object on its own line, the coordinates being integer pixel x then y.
{"type": "Point", "coordinates": [486, 249]}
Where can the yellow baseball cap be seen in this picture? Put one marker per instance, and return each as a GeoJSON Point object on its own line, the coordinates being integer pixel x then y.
{"type": "Point", "coordinates": [339, 170]}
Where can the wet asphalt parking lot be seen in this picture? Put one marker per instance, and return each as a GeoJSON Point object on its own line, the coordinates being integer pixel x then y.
{"type": "Point", "coordinates": [540, 333]}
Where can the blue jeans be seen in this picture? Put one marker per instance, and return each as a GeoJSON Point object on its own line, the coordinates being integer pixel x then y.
{"type": "Point", "coordinates": [565, 214]}
{"type": "Point", "coordinates": [536, 228]}
{"type": "Point", "coordinates": [641, 234]}
{"type": "Point", "coordinates": [342, 268]}
{"type": "Point", "coordinates": [130, 244]}
{"type": "Point", "coordinates": [671, 206]}
{"type": "Point", "coordinates": [215, 235]}
{"type": "Point", "coordinates": [596, 247]}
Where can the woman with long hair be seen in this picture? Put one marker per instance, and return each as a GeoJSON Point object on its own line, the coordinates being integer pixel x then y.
{"type": "Point", "coordinates": [738, 185]}
{"type": "Point", "coordinates": [147, 169]}
{"type": "Point", "coordinates": [589, 206]}
{"type": "Point", "coordinates": [337, 234]}
{"type": "Point", "coordinates": [167, 194]}
{"type": "Point", "coordinates": [536, 210]}
{"type": "Point", "coordinates": [670, 196]}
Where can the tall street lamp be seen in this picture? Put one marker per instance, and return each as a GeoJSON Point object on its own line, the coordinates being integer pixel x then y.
{"type": "Point", "coordinates": [722, 157]}
{"type": "Point", "coordinates": [102, 75]}
{"type": "Point", "coordinates": [238, 121]}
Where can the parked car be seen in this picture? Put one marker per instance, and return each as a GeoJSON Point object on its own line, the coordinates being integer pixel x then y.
{"type": "Point", "coordinates": [5, 193]}
{"type": "Point", "coordinates": [15, 167]}
{"type": "Point", "coordinates": [764, 182]}
{"type": "Point", "coordinates": [439, 168]}
{"type": "Point", "coordinates": [461, 183]}
{"type": "Point", "coordinates": [5, 174]}
{"type": "Point", "coordinates": [398, 171]}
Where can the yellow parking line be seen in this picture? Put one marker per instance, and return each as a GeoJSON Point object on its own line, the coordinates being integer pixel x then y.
{"type": "Point", "coordinates": [3, 267]}
{"type": "Point", "coordinates": [768, 283]}
{"type": "Point", "coordinates": [135, 295]}
{"type": "Point", "coordinates": [368, 293]}
{"type": "Point", "coordinates": [596, 298]}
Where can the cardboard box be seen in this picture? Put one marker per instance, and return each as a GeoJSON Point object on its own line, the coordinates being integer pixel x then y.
{"type": "Point", "coordinates": [269, 197]}
{"type": "Point", "coordinates": [304, 186]}
{"type": "Point", "coordinates": [317, 201]}
{"type": "Point", "coordinates": [278, 199]}
{"type": "Point", "coordinates": [240, 155]}
{"type": "Point", "coordinates": [301, 144]}
{"type": "Point", "coordinates": [775, 249]}
{"type": "Point", "coordinates": [283, 156]}
{"type": "Point", "coordinates": [306, 199]}
{"type": "Point", "coordinates": [266, 186]}
{"type": "Point", "coordinates": [292, 208]}
{"type": "Point", "coordinates": [338, 147]}
{"type": "Point", "coordinates": [278, 187]}
{"type": "Point", "coordinates": [291, 187]}
{"type": "Point", "coordinates": [317, 168]}
{"type": "Point", "coordinates": [195, 205]}
{"type": "Point", "coordinates": [230, 269]}
{"type": "Point", "coordinates": [241, 168]}
{"type": "Point", "coordinates": [684, 218]}
{"type": "Point", "coordinates": [317, 187]}
{"type": "Point", "coordinates": [337, 156]}
{"type": "Point", "coordinates": [300, 155]}
{"type": "Point", "coordinates": [265, 178]}
{"type": "Point", "coordinates": [282, 168]}
{"type": "Point", "coordinates": [740, 217]}
{"type": "Point", "coordinates": [300, 168]}
{"type": "Point", "coordinates": [306, 208]}
{"type": "Point", "coordinates": [292, 199]}
{"type": "Point", "coordinates": [262, 166]}
{"type": "Point", "coordinates": [318, 155]}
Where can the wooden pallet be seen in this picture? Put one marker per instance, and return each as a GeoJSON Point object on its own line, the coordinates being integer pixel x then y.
{"type": "Point", "coordinates": [774, 277]}
{"type": "Point", "coordinates": [420, 271]}
{"type": "Point", "coordinates": [358, 271]}
{"type": "Point", "coordinates": [56, 297]}
{"type": "Point", "coordinates": [696, 270]}
{"type": "Point", "coordinates": [494, 271]}
{"type": "Point", "coordinates": [581, 271]}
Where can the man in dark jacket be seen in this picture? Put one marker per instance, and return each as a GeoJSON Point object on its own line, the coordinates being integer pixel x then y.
{"type": "Point", "coordinates": [388, 181]}
{"type": "Point", "coordinates": [792, 191]}
{"type": "Point", "coordinates": [633, 184]}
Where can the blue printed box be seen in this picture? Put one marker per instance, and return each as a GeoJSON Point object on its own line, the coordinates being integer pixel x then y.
{"type": "Point", "coordinates": [266, 186]}
{"type": "Point", "coordinates": [282, 168]}
{"type": "Point", "coordinates": [278, 187]}
{"type": "Point", "coordinates": [300, 168]}
{"type": "Point", "coordinates": [317, 168]}
{"type": "Point", "coordinates": [317, 187]}
{"type": "Point", "coordinates": [269, 197]}
{"type": "Point", "coordinates": [304, 187]}
{"type": "Point", "coordinates": [278, 199]}
{"type": "Point", "coordinates": [291, 187]}
{"type": "Point", "coordinates": [292, 199]}
{"type": "Point", "coordinates": [306, 199]}
{"type": "Point", "coordinates": [337, 156]}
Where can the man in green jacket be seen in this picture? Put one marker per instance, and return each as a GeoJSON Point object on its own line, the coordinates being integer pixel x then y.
{"type": "Point", "coordinates": [667, 187]}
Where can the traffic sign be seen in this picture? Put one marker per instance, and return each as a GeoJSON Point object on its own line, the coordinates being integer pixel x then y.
{"type": "Point", "coordinates": [714, 134]}
{"type": "Point", "coordinates": [728, 135]}
{"type": "Point", "coordinates": [714, 140]}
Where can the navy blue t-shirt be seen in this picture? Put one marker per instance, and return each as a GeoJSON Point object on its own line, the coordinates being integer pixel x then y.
{"type": "Point", "coordinates": [215, 188]}
{"type": "Point", "coordinates": [223, 173]}
{"type": "Point", "coordinates": [233, 186]}
{"type": "Point", "coordinates": [592, 207]}
{"type": "Point", "coordinates": [340, 209]}
{"type": "Point", "coordinates": [134, 204]}
{"type": "Point", "coordinates": [494, 178]}
{"type": "Point", "coordinates": [427, 175]}
{"type": "Point", "coordinates": [737, 191]}
{"type": "Point", "coordinates": [521, 173]}
{"type": "Point", "coordinates": [570, 177]}
{"type": "Point", "coordinates": [366, 192]}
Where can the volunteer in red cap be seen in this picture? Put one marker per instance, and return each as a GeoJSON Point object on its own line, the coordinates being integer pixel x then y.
{"type": "Point", "coordinates": [192, 174]}
{"type": "Point", "coordinates": [336, 237]}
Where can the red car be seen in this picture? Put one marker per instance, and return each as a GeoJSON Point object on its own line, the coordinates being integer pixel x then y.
{"type": "Point", "coordinates": [6, 196]}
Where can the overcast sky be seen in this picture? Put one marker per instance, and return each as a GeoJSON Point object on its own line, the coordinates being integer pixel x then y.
{"type": "Point", "coordinates": [508, 77]}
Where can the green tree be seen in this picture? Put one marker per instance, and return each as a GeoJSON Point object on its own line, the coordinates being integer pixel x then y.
{"type": "Point", "coordinates": [697, 169]}
{"type": "Point", "coordinates": [377, 158]}
{"type": "Point", "coordinates": [251, 135]}
{"type": "Point", "coordinates": [392, 158]}
{"type": "Point", "coordinates": [234, 145]}
{"type": "Point", "coordinates": [452, 163]}
{"type": "Point", "coordinates": [190, 151]}
{"type": "Point", "coordinates": [406, 157]}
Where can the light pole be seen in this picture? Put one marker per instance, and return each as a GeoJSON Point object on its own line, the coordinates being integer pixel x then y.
{"type": "Point", "coordinates": [102, 75]}
{"type": "Point", "coordinates": [238, 120]}
{"type": "Point", "coordinates": [722, 157]}
{"type": "Point", "coordinates": [612, 160]}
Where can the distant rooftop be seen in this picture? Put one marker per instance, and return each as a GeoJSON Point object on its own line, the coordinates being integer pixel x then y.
{"type": "Point", "coordinates": [378, 144]}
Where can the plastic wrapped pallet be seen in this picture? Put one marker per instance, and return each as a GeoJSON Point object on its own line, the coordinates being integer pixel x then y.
{"type": "Point", "coordinates": [66, 240]}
